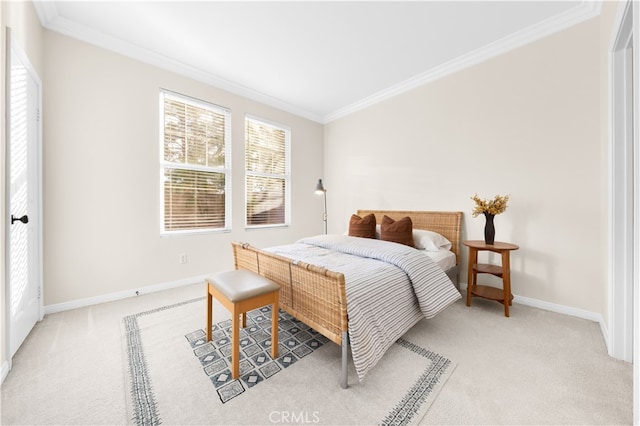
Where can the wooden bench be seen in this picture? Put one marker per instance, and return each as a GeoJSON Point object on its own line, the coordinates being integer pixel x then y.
{"type": "Point", "coordinates": [241, 291]}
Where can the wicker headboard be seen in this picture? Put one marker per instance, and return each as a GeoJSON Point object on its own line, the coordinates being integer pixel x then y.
{"type": "Point", "coordinates": [447, 224]}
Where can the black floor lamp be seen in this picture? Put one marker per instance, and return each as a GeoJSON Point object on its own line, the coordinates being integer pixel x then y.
{"type": "Point", "coordinates": [321, 191]}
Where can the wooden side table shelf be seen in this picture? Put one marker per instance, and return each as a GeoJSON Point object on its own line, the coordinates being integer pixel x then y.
{"type": "Point", "coordinates": [503, 271]}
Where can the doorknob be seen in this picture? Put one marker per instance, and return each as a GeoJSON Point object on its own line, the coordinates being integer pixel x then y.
{"type": "Point", "coordinates": [23, 219]}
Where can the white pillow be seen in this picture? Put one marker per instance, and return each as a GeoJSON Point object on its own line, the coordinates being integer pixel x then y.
{"type": "Point", "coordinates": [429, 240]}
{"type": "Point", "coordinates": [425, 240]}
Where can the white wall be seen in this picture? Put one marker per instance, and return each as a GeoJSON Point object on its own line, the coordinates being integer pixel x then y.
{"type": "Point", "coordinates": [101, 176]}
{"type": "Point", "coordinates": [526, 123]}
{"type": "Point", "coordinates": [530, 123]}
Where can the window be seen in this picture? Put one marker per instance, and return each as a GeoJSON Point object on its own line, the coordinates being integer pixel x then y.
{"type": "Point", "coordinates": [195, 165]}
{"type": "Point", "coordinates": [266, 173]}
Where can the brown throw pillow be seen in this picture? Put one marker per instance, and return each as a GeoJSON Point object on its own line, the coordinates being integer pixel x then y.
{"type": "Point", "coordinates": [398, 231]}
{"type": "Point", "coordinates": [364, 227]}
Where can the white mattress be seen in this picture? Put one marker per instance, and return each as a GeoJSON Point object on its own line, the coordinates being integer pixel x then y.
{"type": "Point", "coordinates": [446, 259]}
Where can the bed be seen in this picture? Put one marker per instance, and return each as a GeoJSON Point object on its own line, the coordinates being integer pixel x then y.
{"type": "Point", "coordinates": [361, 293]}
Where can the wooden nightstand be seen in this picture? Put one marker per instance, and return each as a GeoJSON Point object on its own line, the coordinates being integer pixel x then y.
{"type": "Point", "coordinates": [503, 271]}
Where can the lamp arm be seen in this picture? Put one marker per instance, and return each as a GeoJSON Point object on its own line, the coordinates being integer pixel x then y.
{"type": "Point", "coordinates": [324, 217]}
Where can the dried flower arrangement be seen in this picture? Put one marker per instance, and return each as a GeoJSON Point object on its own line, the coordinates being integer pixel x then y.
{"type": "Point", "coordinates": [490, 207]}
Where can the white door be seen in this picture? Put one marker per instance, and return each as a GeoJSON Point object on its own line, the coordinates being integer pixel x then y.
{"type": "Point", "coordinates": [23, 179]}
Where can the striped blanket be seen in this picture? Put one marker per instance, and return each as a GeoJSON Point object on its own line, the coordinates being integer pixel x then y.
{"type": "Point", "coordinates": [389, 286]}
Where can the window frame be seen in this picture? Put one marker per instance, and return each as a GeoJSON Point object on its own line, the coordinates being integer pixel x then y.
{"type": "Point", "coordinates": [226, 169]}
{"type": "Point", "coordinates": [286, 176]}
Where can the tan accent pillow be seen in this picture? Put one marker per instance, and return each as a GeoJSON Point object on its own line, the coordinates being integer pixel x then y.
{"type": "Point", "coordinates": [364, 227]}
{"type": "Point", "coordinates": [397, 231]}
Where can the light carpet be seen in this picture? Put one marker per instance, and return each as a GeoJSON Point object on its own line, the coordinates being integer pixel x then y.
{"type": "Point", "coordinates": [175, 377]}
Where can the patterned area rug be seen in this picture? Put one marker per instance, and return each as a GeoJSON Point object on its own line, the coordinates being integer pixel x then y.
{"type": "Point", "coordinates": [296, 340]}
{"type": "Point", "coordinates": [175, 377]}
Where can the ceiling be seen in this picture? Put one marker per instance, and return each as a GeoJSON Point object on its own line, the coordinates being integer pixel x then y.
{"type": "Point", "coordinates": [321, 60]}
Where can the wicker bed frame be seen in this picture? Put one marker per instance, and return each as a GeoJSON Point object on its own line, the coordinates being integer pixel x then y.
{"type": "Point", "coordinates": [316, 295]}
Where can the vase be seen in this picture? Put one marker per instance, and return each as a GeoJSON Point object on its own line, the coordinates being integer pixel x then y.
{"type": "Point", "coordinates": [489, 230]}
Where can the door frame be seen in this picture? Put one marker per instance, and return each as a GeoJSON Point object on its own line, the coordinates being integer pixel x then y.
{"type": "Point", "coordinates": [36, 221]}
{"type": "Point", "coordinates": [624, 194]}
{"type": "Point", "coordinates": [621, 194]}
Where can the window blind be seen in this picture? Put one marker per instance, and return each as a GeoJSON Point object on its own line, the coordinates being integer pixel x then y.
{"type": "Point", "coordinates": [266, 173]}
{"type": "Point", "coordinates": [195, 158]}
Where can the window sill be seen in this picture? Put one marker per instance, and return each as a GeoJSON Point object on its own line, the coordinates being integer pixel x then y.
{"type": "Point", "coordinates": [171, 234]}
{"type": "Point", "coordinates": [265, 227]}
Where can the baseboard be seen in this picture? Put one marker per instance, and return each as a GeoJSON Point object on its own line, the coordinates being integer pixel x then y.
{"type": "Point", "coordinates": [81, 303]}
{"type": "Point", "coordinates": [527, 301]}
{"type": "Point", "coordinates": [560, 309]}
{"type": "Point", "coordinates": [4, 371]}
{"type": "Point", "coordinates": [566, 310]}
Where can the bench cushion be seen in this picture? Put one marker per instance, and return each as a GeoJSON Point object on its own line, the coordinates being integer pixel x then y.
{"type": "Point", "coordinates": [241, 284]}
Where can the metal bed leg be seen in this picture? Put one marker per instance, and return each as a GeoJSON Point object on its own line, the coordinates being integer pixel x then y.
{"type": "Point", "coordinates": [345, 357]}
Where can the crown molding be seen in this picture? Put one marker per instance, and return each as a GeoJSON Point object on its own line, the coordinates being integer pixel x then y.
{"type": "Point", "coordinates": [50, 19]}
{"type": "Point", "coordinates": [586, 10]}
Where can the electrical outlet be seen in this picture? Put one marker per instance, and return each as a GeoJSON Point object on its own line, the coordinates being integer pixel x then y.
{"type": "Point", "coordinates": [183, 258]}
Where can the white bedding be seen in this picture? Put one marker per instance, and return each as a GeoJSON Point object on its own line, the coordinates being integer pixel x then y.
{"type": "Point", "coordinates": [389, 288]}
{"type": "Point", "coordinates": [446, 259]}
